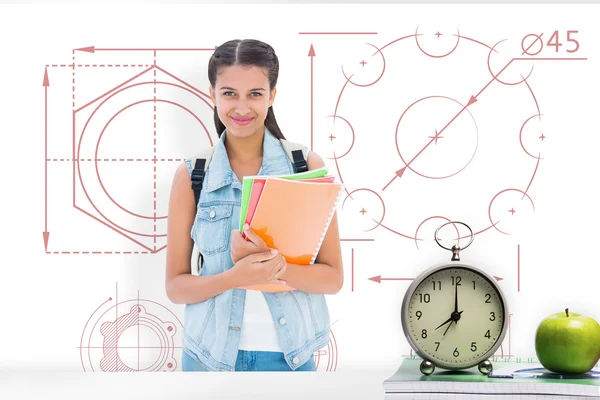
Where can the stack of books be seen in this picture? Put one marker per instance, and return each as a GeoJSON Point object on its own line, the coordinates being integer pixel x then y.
{"type": "Point", "coordinates": [509, 379]}
{"type": "Point", "coordinates": [291, 213]}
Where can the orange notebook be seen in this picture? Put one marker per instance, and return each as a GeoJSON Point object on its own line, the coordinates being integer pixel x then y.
{"type": "Point", "coordinates": [257, 188]}
{"type": "Point", "coordinates": [293, 217]}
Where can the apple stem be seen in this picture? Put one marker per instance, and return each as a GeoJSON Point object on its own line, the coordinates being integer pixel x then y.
{"type": "Point", "coordinates": [567, 312]}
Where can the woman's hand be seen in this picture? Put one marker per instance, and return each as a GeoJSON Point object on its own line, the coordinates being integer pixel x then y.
{"type": "Point", "coordinates": [259, 268]}
{"type": "Point", "coordinates": [241, 248]}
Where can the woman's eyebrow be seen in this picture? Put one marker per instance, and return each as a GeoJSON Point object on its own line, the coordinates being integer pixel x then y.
{"type": "Point", "coordinates": [230, 88]}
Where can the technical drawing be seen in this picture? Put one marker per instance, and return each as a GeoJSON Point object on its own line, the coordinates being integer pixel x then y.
{"type": "Point", "coordinates": [435, 126]}
{"type": "Point", "coordinates": [141, 335]}
{"type": "Point", "coordinates": [132, 125]}
{"type": "Point", "coordinates": [135, 335]}
{"type": "Point", "coordinates": [441, 110]}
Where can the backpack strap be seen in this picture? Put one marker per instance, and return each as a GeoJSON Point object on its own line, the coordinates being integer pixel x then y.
{"type": "Point", "coordinates": [197, 176]}
{"type": "Point", "coordinates": [200, 164]}
{"type": "Point", "coordinates": [297, 154]}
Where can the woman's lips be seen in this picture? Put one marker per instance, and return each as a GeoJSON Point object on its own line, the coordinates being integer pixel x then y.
{"type": "Point", "coordinates": [242, 121]}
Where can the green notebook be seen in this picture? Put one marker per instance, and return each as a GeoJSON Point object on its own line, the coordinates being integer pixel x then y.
{"type": "Point", "coordinates": [249, 180]}
{"type": "Point", "coordinates": [508, 377]}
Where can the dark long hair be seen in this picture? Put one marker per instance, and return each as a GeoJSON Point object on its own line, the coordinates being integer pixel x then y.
{"type": "Point", "coordinates": [246, 52]}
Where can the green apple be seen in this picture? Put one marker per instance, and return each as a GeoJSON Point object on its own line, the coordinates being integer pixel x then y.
{"type": "Point", "coordinates": [568, 342]}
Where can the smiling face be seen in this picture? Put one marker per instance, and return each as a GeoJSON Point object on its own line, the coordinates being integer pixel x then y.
{"type": "Point", "coordinates": [243, 97]}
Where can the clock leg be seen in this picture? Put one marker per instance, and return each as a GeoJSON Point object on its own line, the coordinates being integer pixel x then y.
{"type": "Point", "coordinates": [427, 367]}
{"type": "Point", "coordinates": [485, 367]}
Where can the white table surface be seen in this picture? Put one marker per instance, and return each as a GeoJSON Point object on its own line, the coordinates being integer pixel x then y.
{"type": "Point", "coordinates": [179, 385]}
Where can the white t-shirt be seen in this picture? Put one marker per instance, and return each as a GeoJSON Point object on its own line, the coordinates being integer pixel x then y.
{"type": "Point", "coordinates": [258, 329]}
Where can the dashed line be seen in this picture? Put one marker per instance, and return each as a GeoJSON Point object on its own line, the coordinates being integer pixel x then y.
{"type": "Point", "coordinates": [96, 65]}
{"type": "Point", "coordinates": [116, 159]}
{"type": "Point", "coordinates": [99, 252]}
{"type": "Point", "coordinates": [154, 158]}
{"type": "Point", "coordinates": [73, 76]}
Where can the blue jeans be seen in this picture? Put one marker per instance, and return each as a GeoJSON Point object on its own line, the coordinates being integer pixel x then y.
{"type": "Point", "coordinates": [252, 361]}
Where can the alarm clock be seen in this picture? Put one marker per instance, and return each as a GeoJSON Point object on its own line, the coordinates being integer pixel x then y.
{"type": "Point", "coordinates": [454, 315]}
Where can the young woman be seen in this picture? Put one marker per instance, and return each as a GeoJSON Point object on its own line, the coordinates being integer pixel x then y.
{"type": "Point", "coordinates": [226, 328]}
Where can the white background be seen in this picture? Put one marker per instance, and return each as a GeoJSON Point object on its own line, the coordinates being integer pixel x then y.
{"type": "Point", "coordinates": [46, 299]}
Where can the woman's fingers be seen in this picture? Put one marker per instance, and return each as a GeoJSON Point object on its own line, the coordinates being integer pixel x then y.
{"type": "Point", "coordinates": [253, 237]}
{"type": "Point", "coordinates": [264, 256]}
{"type": "Point", "coordinates": [278, 282]}
{"type": "Point", "coordinates": [281, 272]}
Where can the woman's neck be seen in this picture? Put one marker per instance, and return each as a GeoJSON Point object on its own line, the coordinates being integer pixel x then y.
{"type": "Point", "coordinates": [245, 149]}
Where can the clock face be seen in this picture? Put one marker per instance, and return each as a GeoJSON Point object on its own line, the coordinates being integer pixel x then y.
{"type": "Point", "coordinates": [455, 317]}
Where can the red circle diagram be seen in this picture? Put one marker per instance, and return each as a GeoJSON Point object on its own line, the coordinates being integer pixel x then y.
{"type": "Point", "coordinates": [434, 126]}
{"type": "Point", "coordinates": [124, 165]}
{"type": "Point", "coordinates": [462, 153]}
{"type": "Point", "coordinates": [131, 336]}
{"type": "Point", "coordinates": [97, 155]}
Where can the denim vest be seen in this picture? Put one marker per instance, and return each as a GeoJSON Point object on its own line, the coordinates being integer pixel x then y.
{"type": "Point", "coordinates": [212, 328]}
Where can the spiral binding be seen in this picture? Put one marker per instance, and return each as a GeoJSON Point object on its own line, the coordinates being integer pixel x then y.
{"type": "Point", "coordinates": [329, 218]}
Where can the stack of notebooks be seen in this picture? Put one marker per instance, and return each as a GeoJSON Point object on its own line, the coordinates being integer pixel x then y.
{"type": "Point", "coordinates": [291, 213]}
{"type": "Point", "coordinates": [509, 378]}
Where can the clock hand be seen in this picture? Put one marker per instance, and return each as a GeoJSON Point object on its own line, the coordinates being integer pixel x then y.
{"type": "Point", "coordinates": [447, 329]}
{"type": "Point", "coordinates": [456, 296]}
{"type": "Point", "coordinates": [444, 323]}
{"type": "Point", "coordinates": [455, 317]}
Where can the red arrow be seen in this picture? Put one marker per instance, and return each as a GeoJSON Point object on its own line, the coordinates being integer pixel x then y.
{"type": "Point", "coordinates": [311, 54]}
{"type": "Point", "coordinates": [399, 174]}
{"type": "Point", "coordinates": [90, 49]}
{"type": "Point", "coordinates": [472, 100]}
{"type": "Point", "coordinates": [378, 279]}
{"type": "Point", "coordinates": [46, 234]}
{"type": "Point", "coordinates": [93, 49]}
{"type": "Point", "coordinates": [46, 81]}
